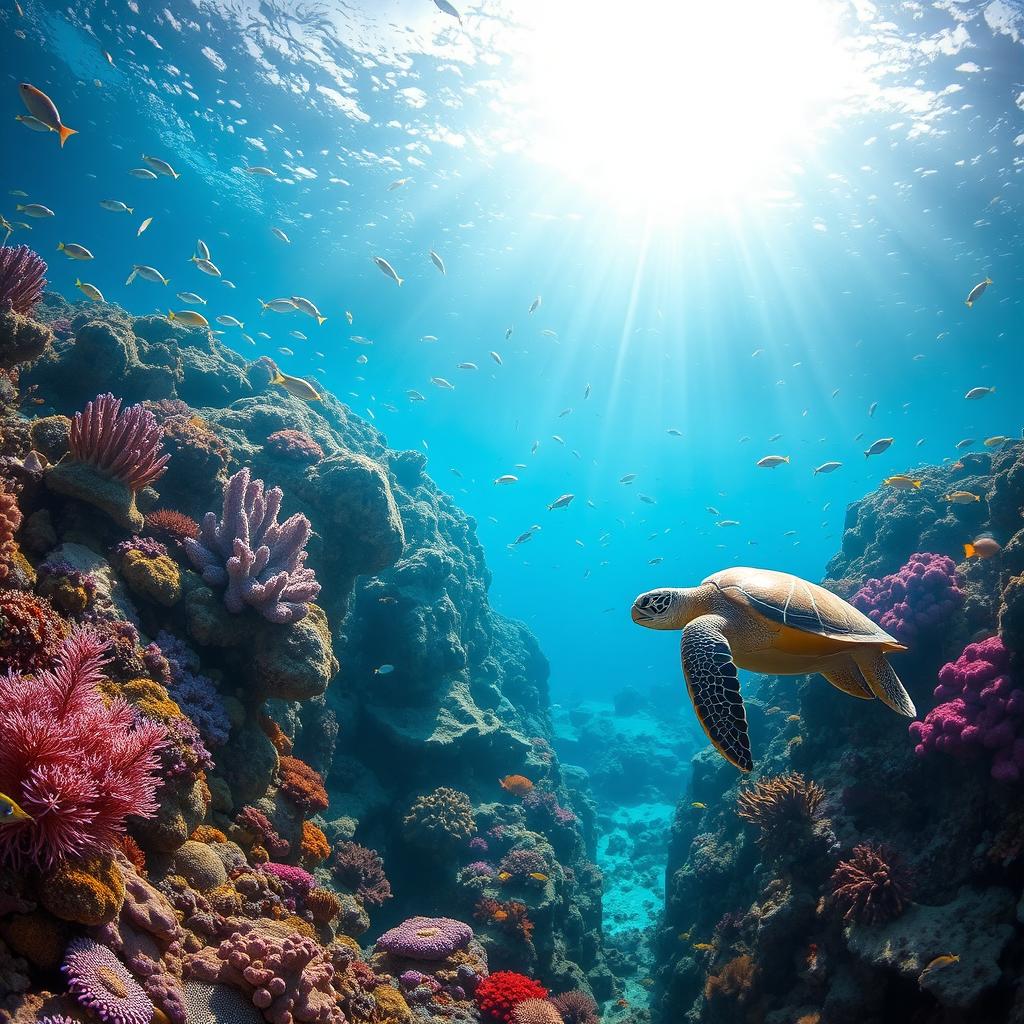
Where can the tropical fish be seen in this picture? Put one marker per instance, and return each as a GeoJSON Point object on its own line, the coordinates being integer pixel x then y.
{"type": "Point", "coordinates": [297, 387]}
{"type": "Point", "coordinates": [564, 501]}
{"type": "Point", "coordinates": [507, 478]}
{"type": "Point", "coordinates": [504, 876]}
{"type": "Point", "coordinates": [143, 173]}
{"type": "Point", "coordinates": [160, 166]}
{"type": "Point", "coordinates": [147, 274]}
{"type": "Point", "coordinates": [143, 226]}
{"type": "Point", "coordinates": [278, 233]}
{"type": "Point", "coordinates": [902, 483]}
{"type": "Point", "coordinates": [398, 183]}
{"type": "Point", "coordinates": [266, 172]}
{"type": "Point", "coordinates": [349, 317]}
{"type": "Point", "coordinates": [728, 522]}
{"type": "Point", "coordinates": [941, 961]}
{"type": "Point", "coordinates": [879, 446]}
{"type": "Point", "coordinates": [32, 122]}
{"type": "Point", "coordinates": [508, 333]}
{"type": "Point", "coordinates": [415, 396]}
{"type": "Point", "coordinates": [961, 498]}
{"type": "Point", "coordinates": [298, 335]}
{"type": "Point", "coordinates": [467, 366]}
{"type": "Point", "coordinates": [115, 206]}
{"type": "Point", "coordinates": [446, 8]}
{"type": "Point", "coordinates": [997, 441]}
{"type": "Point", "coordinates": [437, 261]}
{"type": "Point", "coordinates": [90, 291]}
{"type": "Point", "coordinates": [827, 467]}
{"type": "Point", "coordinates": [496, 358]}
{"type": "Point", "coordinates": [982, 547]}
{"type": "Point", "coordinates": [206, 266]}
{"type": "Point", "coordinates": [538, 876]}
{"type": "Point", "coordinates": [702, 947]}
{"type": "Point", "coordinates": [627, 479]}
{"type": "Point", "coordinates": [10, 812]}
{"type": "Point", "coordinates": [674, 432]}
{"type": "Point", "coordinates": [976, 292]}
{"type": "Point", "coordinates": [191, 297]}
{"type": "Point", "coordinates": [792, 718]}
{"type": "Point", "coordinates": [772, 461]}
{"type": "Point", "coordinates": [521, 539]}
{"type": "Point", "coordinates": [190, 317]}
{"type": "Point", "coordinates": [74, 251]}
{"type": "Point", "coordinates": [871, 408]}
{"type": "Point", "coordinates": [519, 785]}
{"type": "Point", "coordinates": [383, 670]}
{"type": "Point", "coordinates": [387, 270]}
{"type": "Point", "coordinates": [965, 443]}
{"type": "Point", "coordinates": [698, 806]}
{"type": "Point", "coordinates": [975, 393]}
{"type": "Point", "coordinates": [307, 307]}
{"type": "Point", "coordinates": [442, 383]}
{"type": "Point", "coordinates": [535, 305]}
{"type": "Point", "coordinates": [230, 321]}
{"type": "Point", "coordinates": [43, 109]}
{"type": "Point", "coordinates": [278, 306]}
{"type": "Point", "coordinates": [34, 210]}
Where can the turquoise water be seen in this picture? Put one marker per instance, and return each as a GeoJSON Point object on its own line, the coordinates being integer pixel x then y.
{"type": "Point", "coordinates": [704, 267]}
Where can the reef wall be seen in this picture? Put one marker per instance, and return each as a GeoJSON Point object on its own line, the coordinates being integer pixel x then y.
{"type": "Point", "coordinates": [866, 872]}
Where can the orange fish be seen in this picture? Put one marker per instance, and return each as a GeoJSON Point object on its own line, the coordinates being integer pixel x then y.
{"type": "Point", "coordinates": [519, 785]}
{"type": "Point", "coordinates": [983, 547]}
{"type": "Point", "coordinates": [41, 107]}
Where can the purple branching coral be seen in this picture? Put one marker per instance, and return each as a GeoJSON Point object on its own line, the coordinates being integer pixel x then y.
{"type": "Point", "coordinates": [872, 886]}
{"type": "Point", "coordinates": [258, 560]}
{"type": "Point", "coordinates": [195, 694]}
{"type": "Point", "coordinates": [361, 871]}
{"type": "Point", "coordinates": [122, 445]}
{"type": "Point", "coordinates": [102, 984]}
{"type": "Point", "coordinates": [22, 278]}
{"type": "Point", "coordinates": [543, 806]}
{"type": "Point", "coordinates": [921, 596]}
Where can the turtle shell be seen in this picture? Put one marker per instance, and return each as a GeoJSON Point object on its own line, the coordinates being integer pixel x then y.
{"type": "Point", "coordinates": [797, 604]}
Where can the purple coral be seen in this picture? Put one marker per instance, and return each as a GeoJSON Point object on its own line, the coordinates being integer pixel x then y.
{"type": "Point", "coordinates": [922, 595]}
{"type": "Point", "coordinates": [361, 871]}
{"type": "Point", "coordinates": [983, 711]}
{"type": "Point", "coordinates": [150, 547]}
{"type": "Point", "coordinates": [426, 938]}
{"type": "Point", "coordinates": [259, 560]}
{"type": "Point", "coordinates": [124, 446]}
{"type": "Point", "coordinates": [296, 881]}
{"type": "Point", "coordinates": [194, 693]}
{"type": "Point", "coordinates": [100, 982]}
{"type": "Point", "coordinates": [523, 863]}
{"type": "Point", "coordinates": [543, 805]}
{"type": "Point", "coordinates": [295, 444]}
{"type": "Point", "coordinates": [22, 278]}
{"type": "Point", "coordinates": [254, 822]}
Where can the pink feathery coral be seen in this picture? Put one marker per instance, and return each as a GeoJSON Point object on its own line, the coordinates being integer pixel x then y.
{"type": "Point", "coordinates": [76, 765]}
{"type": "Point", "coordinates": [22, 278]}
{"type": "Point", "coordinates": [124, 446]}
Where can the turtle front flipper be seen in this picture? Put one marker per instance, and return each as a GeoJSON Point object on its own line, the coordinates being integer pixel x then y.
{"type": "Point", "coordinates": [714, 688]}
{"type": "Point", "coordinates": [846, 676]}
{"type": "Point", "coordinates": [884, 682]}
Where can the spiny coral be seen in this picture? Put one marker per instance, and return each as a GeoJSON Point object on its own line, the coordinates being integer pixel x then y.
{"type": "Point", "coordinates": [31, 631]}
{"type": "Point", "coordinates": [100, 982]}
{"type": "Point", "coordinates": [576, 1007]}
{"type": "Point", "coordinates": [22, 278]}
{"type": "Point", "coordinates": [499, 993]}
{"type": "Point", "coordinates": [535, 1011]}
{"type": "Point", "coordinates": [122, 445]}
{"type": "Point", "coordinates": [441, 819]}
{"type": "Point", "coordinates": [426, 938]}
{"type": "Point", "coordinates": [259, 561]}
{"type": "Point", "coordinates": [872, 886]}
{"type": "Point", "coordinates": [77, 765]}
{"type": "Point", "coordinates": [982, 711]}
{"type": "Point", "coordinates": [923, 594]}
{"type": "Point", "coordinates": [170, 526]}
{"type": "Point", "coordinates": [303, 785]}
{"type": "Point", "coordinates": [736, 979]}
{"type": "Point", "coordinates": [361, 871]}
{"type": "Point", "coordinates": [782, 807]}
{"type": "Point", "coordinates": [295, 444]}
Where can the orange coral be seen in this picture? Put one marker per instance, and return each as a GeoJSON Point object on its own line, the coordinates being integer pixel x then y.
{"type": "Point", "coordinates": [208, 834]}
{"type": "Point", "coordinates": [88, 892]}
{"type": "Point", "coordinates": [782, 808]}
{"type": "Point", "coordinates": [517, 785]}
{"type": "Point", "coordinates": [38, 937]}
{"type": "Point", "coordinates": [133, 852]}
{"type": "Point", "coordinates": [736, 979]}
{"type": "Point", "coordinates": [303, 785]}
{"type": "Point", "coordinates": [276, 735]}
{"type": "Point", "coordinates": [323, 904]}
{"type": "Point", "coordinates": [809, 1018]}
{"type": "Point", "coordinates": [509, 915]}
{"type": "Point", "coordinates": [315, 849]}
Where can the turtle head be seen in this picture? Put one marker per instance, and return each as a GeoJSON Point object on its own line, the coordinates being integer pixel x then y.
{"type": "Point", "coordinates": [665, 608]}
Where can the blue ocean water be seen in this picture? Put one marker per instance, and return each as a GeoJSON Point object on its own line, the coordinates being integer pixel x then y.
{"type": "Point", "coordinates": [707, 298]}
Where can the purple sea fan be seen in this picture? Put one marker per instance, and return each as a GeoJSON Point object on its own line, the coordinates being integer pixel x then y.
{"type": "Point", "coordinates": [124, 446]}
{"type": "Point", "coordinates": [258, 559]}
{"type": "Point", "coordinates": [22, 278]}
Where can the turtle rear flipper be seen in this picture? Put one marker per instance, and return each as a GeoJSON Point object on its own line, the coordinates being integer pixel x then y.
{"type": "Point", "coordinates": [884, 682]}
{"type": "Point", "coordinates": [846, 676]}
{"type": "Point", "coordinates": [714, 688]}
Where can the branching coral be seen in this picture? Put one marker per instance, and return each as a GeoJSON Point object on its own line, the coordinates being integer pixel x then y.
{"type": "Point", "coordinates": [544, 810]}
{"type": "Point", "coordinates": [523, 863]}
{"type": "Point", "coordinates": [77, 765]}
{"type": "Point", "coordinates": [361, 871]}
{"type": "Point", "coordinates": [922, 595]}
{"type": "Point", "coordinates": [736, 979]}
{"type": "Point", "coordinates": [121, 445]}
{"type": "Point", "coordinates": [982, 711]}
{"type": "Point", "coordinates": [22, 278]}
{"type": "Point", "coordinates": [255, 823]}
{"type": "Point", "coordinates": [499, 993]}
{"type": "Point", "coordinates": [509, 915]}
{"type": "Point", "coordinates": [295, 444]}
{"type": "Point", "coordinates": [426, 938]}
{"type": "Point", "coordinates": [872, 886]}
{"type": "Point", "coordinates": [196, 694]}
{"type": "Point", "coordinates": [303, 785]}
{"type": "Point", "coordinates": [783, 808]}
{"type": "Point", "coordinates": [441, 819]}
{"type": "Point", "coordinates": [259, 561]}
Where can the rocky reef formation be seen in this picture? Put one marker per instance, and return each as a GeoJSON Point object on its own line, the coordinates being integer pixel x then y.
{"type": "Point", "coordinates": [241, 751]}
{"type": "Point", "coordinates": [868, 872]}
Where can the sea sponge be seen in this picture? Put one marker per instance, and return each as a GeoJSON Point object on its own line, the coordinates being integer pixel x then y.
{"type": "Point", "coordinates": [315, 849]}
{"type": "Point", "coordinates": [302, 785]}
{"type": "Point", "coordinates": [208, 834]}
{"type": "Point", "coordinates": [88, 892]}
{"type": "Point", "coordinates": [295, 444]}
{"type": "Point", "coordinates": [155, 579]}
{"type": "Point", "coordinates": [442, 819]}
{"type": "Point", "coordinates": [499, 993]}
{"type": "Point", "coordinates": [10, 522]}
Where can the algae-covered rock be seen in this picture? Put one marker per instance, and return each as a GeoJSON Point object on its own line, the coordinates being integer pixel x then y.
{"type": "Point", "coordinates": [89, 893]}
{"type": "Point", "coordinates": [79, 480]}
{"type": "Point", "coordinates": [156, 579]}
{"type": "Point", "coordinates": [295, 662]}
{"type": "Point", "coordinates": [22, 339]}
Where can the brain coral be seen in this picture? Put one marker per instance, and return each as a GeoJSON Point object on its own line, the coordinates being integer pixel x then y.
{"type": "Point", "coordinates": [100, 982]}
{"type": "Point", "coordinates": [983, 711]}
{"type": "Point", "coordinates": [922, 595]}
{"type": "Point", "coordinates": [442, 818]}
{"type": "Point", "coordinates": [426, 938]}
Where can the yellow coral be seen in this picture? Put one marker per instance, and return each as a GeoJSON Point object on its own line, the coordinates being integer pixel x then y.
{"type": "Point", "coordinates": [208, 834]}
{"type": "Point", "coordinates": [323, 904]}
{"type": "Point", "coordinates": [152, 699]}
{"type": "Point", "coordinates": [315, 848]}
{"type": "Point", "coordinates": [90, 892]}
{"type": "Point", "coordinates": [391, 1004]}
{"type": "Point", "coordinates": [158, 579]}
{"type": "Point", "coordinates": [347, 940]}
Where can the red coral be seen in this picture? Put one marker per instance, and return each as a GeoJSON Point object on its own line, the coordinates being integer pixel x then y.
{"type": "Point", "coordinates": [498, 993]}
{"type": "Point", "coordinates": [170, 526]}
{"type": "Point", "coordinates": [30, 631]}
{"type": "Point", "coordinates": [78, 766]}
{"type": "Point", "coordinates": [124, 446]}
{"type": "Point", "coordinates": [255, 823]}
{"type": "Point", "coordinates": [303, 786]}
{"type": "Point", "coordinates": [872, 886]}
{"type": "Point", "coordinates": [361, 871]}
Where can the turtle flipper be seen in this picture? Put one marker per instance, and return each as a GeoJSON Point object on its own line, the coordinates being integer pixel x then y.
{"type": "Point", "coordinates": [714, 687]}
{"type": "Point", "coordinates": [846, 676]}
{"type": "Point", "coordinates": [884, 682]}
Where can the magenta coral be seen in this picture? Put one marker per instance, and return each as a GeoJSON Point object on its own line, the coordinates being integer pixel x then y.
{"type": "Point", "coordinates": [295, 444]}
{"type": "Point", "coordinates": [983, 711]}
{"type": "Point", "coordinates": [296, 881]}
{"type": "Point", "coordinates": [76, 765]}
{"type": "Point", "coordinates": [361, 871]}
{"type": "Point", "coordinates": [426, 938]}
{"type": "Point", "coordinates": [258, 560]}
{"type": "Point", "coordinates": [100, 982]}
{"type": "Point", "coordinates": [124, 446]}
{"type": "Point", "coordinates": [921, 596]}
{"type": "Point", "coordinates": [22, 278]}
{"type": "Point", "coordinates": [872, 886]}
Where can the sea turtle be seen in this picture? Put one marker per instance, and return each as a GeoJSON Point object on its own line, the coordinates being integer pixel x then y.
{"type": "Point", "coordinates": [768, 622]}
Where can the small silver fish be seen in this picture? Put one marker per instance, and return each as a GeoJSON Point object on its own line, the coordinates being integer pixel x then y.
{"type": "Point", "coordinates": [388, 270]}
{"type": "Point", "coordinates": [437, 261]}
{"type": "Point", "coordinates": [879, 446]}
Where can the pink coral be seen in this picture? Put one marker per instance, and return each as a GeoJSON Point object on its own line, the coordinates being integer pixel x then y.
{"type": "Point", "coordinates": [983, 711]}
{"type": "Point", "coordinates": [922, 595]}
{"type": "Point", "coordinates": [426, 938]}
{"type": "Point", "coordinates": [296, 881]}
{"type": "Point", "coordinates": [22, 278]}
{"type": "Point", "coordinates": [124, 446]}
{"type": "Point", "coordinates": [78, 766]}
{"type": "Point", "coordinates": [295, 444]}
{"type": "Point", "coordinates": [100, 982]}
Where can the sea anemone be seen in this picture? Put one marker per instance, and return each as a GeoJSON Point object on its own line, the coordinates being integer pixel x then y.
{"type": "Point", "coordinates": [102, 984]}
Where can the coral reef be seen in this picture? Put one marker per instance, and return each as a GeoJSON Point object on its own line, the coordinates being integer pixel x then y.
{"type": "Point", "coordinates": [871, 887]}
{"type": "Point", "coordinates": [361, 871]}
{"type": "Point", "coordinates": [499, 993]}
{"type": "Point", "coordinates": [784, 809]}
{"type": "Point", "coordinates": [426, 938]}
{"type": "Point", "coordinates": [441, 819]}
{"type": "Point", "coordinates": [22, 278]}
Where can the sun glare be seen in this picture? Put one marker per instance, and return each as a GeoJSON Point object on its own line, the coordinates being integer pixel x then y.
{"type": "Point", "coordinates": [669, 105]}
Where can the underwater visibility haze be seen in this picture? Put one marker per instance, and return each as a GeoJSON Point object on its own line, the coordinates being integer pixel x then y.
{"type": "Point", "coordinates": [362, 363]}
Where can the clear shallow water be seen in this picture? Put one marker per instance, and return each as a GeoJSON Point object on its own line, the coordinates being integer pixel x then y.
{"type": "Point", "coordinates": [842, 260]}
